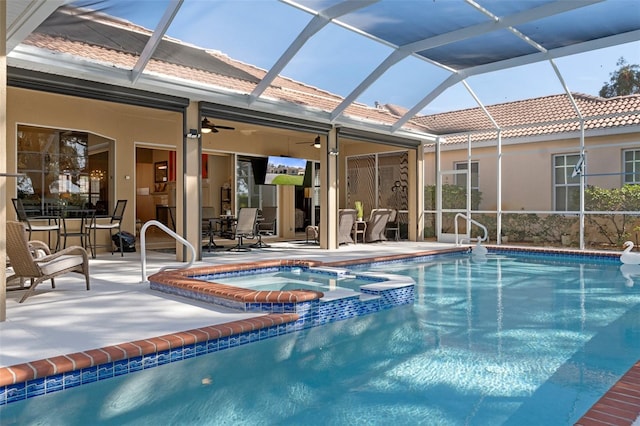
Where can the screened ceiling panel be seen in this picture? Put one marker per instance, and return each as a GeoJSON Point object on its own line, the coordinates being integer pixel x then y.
{"type": "Point", "coordinates": [467, 38]}
{"type": "Point", "coordinates": [403, 22]}
{"type": "Point", "coordinates": [470, 53]}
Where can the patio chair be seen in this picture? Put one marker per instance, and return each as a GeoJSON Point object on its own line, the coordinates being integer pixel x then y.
{"type": "Point", "coordinates": [346, 220]}
{"type": "Point", "coordinates": [31, 221]}
{"type": "Point", "coordinates": [268, 219]}
{"type": "Point", "coordinates": [114, 224]}
{"type": "Point", "coordinates": [210, 225]}
{"type": "Point", "coordinates": [246, 227]}
{"type": "Point", "coordinates": [27, 264]}
{"type": "Point", "coordinates": [377, 225]}
{"type": "Point", "coordinates": [393, 225]}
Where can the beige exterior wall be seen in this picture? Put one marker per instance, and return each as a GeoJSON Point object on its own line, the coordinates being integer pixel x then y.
{"type": "Point", "coordinates": [124, 124]}
{"type": "Point", "coordinates": [527, 168]}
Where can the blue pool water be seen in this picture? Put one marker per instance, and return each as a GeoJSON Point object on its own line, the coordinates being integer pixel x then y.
{"type": "Point", "coordinates": [515, 341]}
{"type": "Point", "coordinates": [294, 279]}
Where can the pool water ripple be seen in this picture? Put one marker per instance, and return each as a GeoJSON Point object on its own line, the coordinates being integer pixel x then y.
{"type": "Point", "coordinates": [479, 346]}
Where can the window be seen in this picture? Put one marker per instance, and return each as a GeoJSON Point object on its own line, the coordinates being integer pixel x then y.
{"type": "Point", "coordinates": [63, 168]}
{"type": "Point", "coordinates": [250, 190]}
{"type": "Point", "coordinates": [461, 181]}
{"type": "Point", "coordinates": [631, 166]}
{"type": "Point", "coordinates": [566, 188]}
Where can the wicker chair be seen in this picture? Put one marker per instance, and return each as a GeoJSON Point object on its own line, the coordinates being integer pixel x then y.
{"type": "Point", "coordinates": [377, 224]}
{"type": "Point", "coordinates": [26, 265]}
{"type": "Point", "coordinates": [346, 219]}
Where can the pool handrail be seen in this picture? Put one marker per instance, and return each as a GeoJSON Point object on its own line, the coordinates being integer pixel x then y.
{"type": "Point", "coordinates": [468, 235]}
{"type": "Point", "coordinates": [169, 231]}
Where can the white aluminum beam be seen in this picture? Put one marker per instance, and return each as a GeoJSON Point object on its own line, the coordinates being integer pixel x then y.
{"type": "Point", "coordinates": [155, 39]}
{"type": "Point", "coordinates": [318, 22]}
{"type": "Point", "coordinates": [494, 24]}
{"type": "Point", "coordinates": [23, 17]}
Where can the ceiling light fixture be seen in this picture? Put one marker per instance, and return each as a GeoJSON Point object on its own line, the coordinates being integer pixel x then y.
{"type": "Point", "coordinates": [316, 142]}
{"type": "Point", "coordinates": [206, 126]}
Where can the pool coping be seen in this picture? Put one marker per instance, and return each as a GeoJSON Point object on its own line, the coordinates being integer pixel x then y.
{"type": "Point", "coordinates": [620, 405]}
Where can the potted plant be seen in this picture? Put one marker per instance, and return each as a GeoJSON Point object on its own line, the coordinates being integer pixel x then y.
{"type": "Point", "coordinates": [359, 210]}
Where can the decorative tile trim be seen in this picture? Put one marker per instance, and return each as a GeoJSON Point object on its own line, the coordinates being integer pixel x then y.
{"type": "Point", "coordinates": [620, 405]}
{"type": "Point", "coordinates": [22, 381]}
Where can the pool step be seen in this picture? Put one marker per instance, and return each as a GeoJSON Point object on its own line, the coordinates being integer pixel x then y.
{"type": "Point", "coordinates": [368, 297]}
{"type": "Point", "coordinates": [332, 295]}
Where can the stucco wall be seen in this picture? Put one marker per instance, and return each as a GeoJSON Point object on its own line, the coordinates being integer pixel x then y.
{"type": "Point", "coordinates": [124, 124]}
{"type": "Point", "coordinates": [527, 168]}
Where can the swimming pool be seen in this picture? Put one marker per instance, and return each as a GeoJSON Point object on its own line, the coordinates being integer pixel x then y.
{"type": "Point", "coordinates": [524, 340]}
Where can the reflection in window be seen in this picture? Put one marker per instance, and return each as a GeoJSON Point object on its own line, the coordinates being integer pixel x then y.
{"type": "Point", "coordinates": [461, 182]}
{"type": "Point", "coordinates": [63, 168]}
{"type": "Point", "coordinates": [250, 191]}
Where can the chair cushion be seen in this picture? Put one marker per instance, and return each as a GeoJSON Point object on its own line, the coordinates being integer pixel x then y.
{"type": "Point", "coordinates": [45, 227]}
{"type": "Point", "coordinates": [114, 225]}
{"type": "Point", "coordinates": [63, 262]}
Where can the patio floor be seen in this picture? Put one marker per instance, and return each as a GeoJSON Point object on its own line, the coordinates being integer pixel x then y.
{"type": "Point", "coordinates": [119, 308]}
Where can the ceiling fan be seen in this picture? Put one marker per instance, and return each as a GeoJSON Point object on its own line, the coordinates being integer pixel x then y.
{"type": "Point", "coordinates": [209, 127]}
{"type": "Point", "coordinates": [315, 144]}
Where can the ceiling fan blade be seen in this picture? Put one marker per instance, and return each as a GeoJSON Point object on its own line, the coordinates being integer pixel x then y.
{"type": "Point", "coordinates": [224, 127]}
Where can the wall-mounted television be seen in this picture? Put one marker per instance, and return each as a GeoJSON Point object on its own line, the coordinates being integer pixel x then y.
{"type": "Point", "coordinates": [259, 169]}
{"type": "Point", "coordinates": [285, 171]}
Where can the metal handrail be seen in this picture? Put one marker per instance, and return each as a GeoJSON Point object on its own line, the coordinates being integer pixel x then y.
{"type": "Point", "coordinates": [143, 248]}
{"type": "Point", "coordinates": [475, 222]}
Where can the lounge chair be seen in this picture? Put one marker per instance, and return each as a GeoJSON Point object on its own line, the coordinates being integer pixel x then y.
{"type": "Point", "coordinates": [377, 225]}
{"type": "Point", "coordinates": [27, 264]}
{"type": "Point", "coordinates": [346, 220]}
{"type": "Point", "coordinates": [245, 227]}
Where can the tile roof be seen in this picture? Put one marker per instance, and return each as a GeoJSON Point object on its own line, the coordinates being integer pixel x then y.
{"type": "Point", "coordinates": [108, 40]}
{"type": "Point", "coordinates": [538, 116]}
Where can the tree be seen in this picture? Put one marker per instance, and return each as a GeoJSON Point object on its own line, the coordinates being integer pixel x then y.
{"type": "Point", "coordinates": [624, 81]}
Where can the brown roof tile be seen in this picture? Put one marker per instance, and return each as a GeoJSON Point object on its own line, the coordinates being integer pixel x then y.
{"type": "Point", "coordinates": [219, 70]}
{"type": "Point", "coordinates": [538, 116]}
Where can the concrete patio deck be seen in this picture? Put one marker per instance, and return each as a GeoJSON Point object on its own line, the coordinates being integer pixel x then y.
{"type": "Point", "coordinates": [119, 308]}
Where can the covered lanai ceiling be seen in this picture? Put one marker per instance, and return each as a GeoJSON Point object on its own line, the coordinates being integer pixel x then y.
{"type": "Point", "coordinates": [459, 38]}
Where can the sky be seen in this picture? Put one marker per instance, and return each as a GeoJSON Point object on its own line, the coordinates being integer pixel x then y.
{"type": "Point", "coordinates": [258, 32]}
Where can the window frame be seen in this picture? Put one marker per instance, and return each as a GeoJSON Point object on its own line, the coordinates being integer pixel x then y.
{"type": "Point", "coordinates": [635, 166]}
{"type": "Point", "coordinates": [569, 181]}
